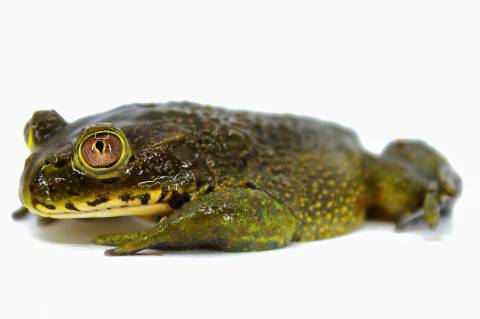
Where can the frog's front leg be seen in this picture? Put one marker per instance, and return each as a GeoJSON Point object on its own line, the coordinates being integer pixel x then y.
{"type": "Point", "coordinates": [227, 219]}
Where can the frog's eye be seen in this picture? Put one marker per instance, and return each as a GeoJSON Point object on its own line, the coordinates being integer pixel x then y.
{"type": "Point", "coordinates": [101, 150]}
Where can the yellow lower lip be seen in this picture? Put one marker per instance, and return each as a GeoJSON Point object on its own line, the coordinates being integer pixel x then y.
{"type": "Point", "coordinates": [159, 209]}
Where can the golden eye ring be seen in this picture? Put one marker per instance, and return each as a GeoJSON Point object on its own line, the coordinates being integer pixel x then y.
{"type": "Point", "coordinates": [101, 151]}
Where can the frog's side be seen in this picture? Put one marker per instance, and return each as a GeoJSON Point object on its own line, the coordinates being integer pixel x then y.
{"type": "Point", "coordinates": [230, 180]}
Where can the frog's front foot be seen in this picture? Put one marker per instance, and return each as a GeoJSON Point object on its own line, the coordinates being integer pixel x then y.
{"type": "Point", "coordinates": [228, 219]}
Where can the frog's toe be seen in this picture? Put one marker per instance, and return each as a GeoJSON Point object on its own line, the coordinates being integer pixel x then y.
{"type": "Point", "coordinates": [111, 240]}
{"type": "Point", "coordinates": [408, 220]}
{"type": "Point", "coordinates": [20, 213]}
{"type": "Point", "coordinates": [118, 239]}
{"type": "Point", "coordinates": [106, 240]}
{"type": "Point", "coordinates": [431, 210]}
{"type": "Point", "coordinates": [116, 252]}
{"type": "Point", "coordinates": [130, 248]}
{"type": "Point", "coordinates": [430, 214]}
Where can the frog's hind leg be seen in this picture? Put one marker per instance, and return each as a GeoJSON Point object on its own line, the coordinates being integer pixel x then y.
{"type": "Point", "coordinates": [411, 182]}
{"type": "Point", "coordinates": [228, 219]}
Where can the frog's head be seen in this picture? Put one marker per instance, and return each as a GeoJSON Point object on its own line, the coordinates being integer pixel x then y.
{"type": "Point", "coordinates": [429, 163]}
{"type": "Point", "coordinates": [122, 162]}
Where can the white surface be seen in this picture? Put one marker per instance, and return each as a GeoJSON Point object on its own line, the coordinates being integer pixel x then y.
{"type": "Point", "coordinates": [387, 70]}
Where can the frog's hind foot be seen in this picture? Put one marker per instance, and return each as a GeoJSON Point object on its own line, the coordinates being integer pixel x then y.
{"type": "Point", "coordinates": [415, 176]}
{"type": "Point", "coordinates": [431, 213]}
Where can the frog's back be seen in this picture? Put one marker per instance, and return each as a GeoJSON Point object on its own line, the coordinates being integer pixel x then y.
{"type": "Point", "coordinates": [315, 167]}
{"type": "Point", "coordinates": [282, 131]}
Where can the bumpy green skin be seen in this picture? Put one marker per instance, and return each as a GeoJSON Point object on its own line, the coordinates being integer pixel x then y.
{"type": "Point", "coordinates": [240, 181]}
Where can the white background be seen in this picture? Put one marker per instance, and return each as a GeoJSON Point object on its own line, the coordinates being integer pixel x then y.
{"type": "Point", "coordinates": [388, 69]}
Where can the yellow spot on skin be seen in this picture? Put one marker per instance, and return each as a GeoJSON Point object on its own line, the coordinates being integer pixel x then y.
{"type": "Point", "coordinates": [316, 206]}
{"type": "Point", "coordinates": [30, 143]}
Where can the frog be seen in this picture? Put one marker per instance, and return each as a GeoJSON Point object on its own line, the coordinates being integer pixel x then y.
{"type": "Point", "coordinates": [230, 180]}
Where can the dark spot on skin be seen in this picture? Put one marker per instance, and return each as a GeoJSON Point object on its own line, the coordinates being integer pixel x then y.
{"type": "Point", "coordinates": [48, 206]}
{"type": "Point", "coordinates": [178, 200]}
{"type": "Point", "coordinates": [145, 198]}
{"type": "Point", "coordinates": [251, 185]}
{"type": "Point", "coordinates": [36, 202]}
{"type": "Point", "coordinates": [70, 206]}
{"type": "Point", "coordinates": [100, 200]}
{"type": "Point", "coordinates": [126, 197]}
{"type": "Point", "coordinates": [160, 198]}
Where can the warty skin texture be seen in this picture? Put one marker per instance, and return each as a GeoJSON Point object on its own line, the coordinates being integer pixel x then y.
{"type": "Point", "coordinates": [229, 180]}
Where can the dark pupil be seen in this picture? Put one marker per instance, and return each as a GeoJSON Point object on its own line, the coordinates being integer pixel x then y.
{"type": "Point", "coordinates": [100, 146]}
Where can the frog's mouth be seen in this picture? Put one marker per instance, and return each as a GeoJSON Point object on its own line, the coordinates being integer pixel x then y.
{"type": "Point", "coordinates": [146, 203]}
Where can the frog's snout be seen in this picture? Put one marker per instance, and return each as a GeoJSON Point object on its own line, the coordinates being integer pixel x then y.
{"type": "Point", "coordinates": [24, 190]}
{"type": "Point", "coordinates": [43, 179]}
